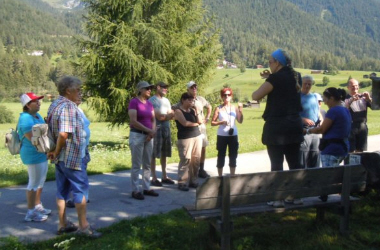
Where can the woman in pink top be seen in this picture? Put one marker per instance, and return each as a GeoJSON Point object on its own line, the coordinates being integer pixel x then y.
{"type": "Point", "coordinates": [142, 130]}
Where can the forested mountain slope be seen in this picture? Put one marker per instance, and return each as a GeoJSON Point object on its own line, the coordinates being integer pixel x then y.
{"type": "Point", "coordinates": [253, 28]}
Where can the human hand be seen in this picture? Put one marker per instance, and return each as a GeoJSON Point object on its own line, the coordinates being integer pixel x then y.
{"type": "Point", "coordinates": [308, 122]}
{"type": "Point", "coordinates": [265, 74]}
{"type": "Point", "coordinates": [367, 96]}
{"type": "Point", "coordinates": [240, 106]}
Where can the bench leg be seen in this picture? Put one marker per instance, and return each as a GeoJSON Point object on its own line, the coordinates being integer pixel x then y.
{"type": "Point", "coordinates": [212, 233]}
{"type": "Point", "coordinates": [225, 236]}
{"type": "Point", "coordinates": [320, 214]}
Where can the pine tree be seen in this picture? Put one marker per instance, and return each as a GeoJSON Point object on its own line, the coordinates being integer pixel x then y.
{"type": "Point", "coordinates": [153, 40]}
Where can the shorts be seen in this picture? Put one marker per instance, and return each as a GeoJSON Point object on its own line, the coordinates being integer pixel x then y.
{"type": "Point", "coordinates": [202, 129]}
{"type": "Point", "coordinates": [71, 180]}
{"type": "Point", "coordinates": [162, 143]}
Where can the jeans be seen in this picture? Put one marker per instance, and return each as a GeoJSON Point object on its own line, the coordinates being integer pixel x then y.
{"type": "Point", "coordinates": [310, 156]}
{"type": "Point", "coordinates": [331, 160]}
{"type": "Point", "coordinates": [141, 151]}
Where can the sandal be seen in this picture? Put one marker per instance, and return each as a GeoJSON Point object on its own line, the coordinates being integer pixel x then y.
{"type": "Point", "coordinates": [69, 228]}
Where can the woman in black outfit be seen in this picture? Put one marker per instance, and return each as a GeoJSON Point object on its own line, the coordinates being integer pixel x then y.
{"type": "Point", "coordinates": [189, 142]}
{"type": "Point", "coordinates": [282, 131]}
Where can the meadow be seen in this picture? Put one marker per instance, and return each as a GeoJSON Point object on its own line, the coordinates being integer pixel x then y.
{"type": "Point", "coordinates": [109, 146]}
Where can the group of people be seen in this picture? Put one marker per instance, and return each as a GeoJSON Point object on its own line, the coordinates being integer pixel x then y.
{"type": "Point", "coordinates": [293, 120]}
{"type": "Point", "coordinates": [150, 135]}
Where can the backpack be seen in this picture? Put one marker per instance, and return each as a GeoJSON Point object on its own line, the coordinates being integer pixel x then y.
{"type": "Point", "coordinates": [13, 142]}
{"type": "Point", "coordinates": [42, 139]}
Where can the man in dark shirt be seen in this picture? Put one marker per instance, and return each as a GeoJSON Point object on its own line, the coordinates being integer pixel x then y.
{"type": "Point", "coordinates": [358, 104]}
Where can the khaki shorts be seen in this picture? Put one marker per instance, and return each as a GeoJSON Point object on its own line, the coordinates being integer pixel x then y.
{"type": "Point", "coordinates": [202, 128]}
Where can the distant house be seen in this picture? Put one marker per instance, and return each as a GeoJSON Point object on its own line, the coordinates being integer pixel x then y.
{"type": "Point", "coordinates": [365, 76]}
{"type": "Point", "coordinates": [36, 53]}
{"type": "Point", "coordinates": [259, 66]}
{"type": "Point", "coordinates": [316, 72]}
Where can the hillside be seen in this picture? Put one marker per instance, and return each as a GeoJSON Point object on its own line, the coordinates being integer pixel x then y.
{"type": "Point", "coordinates": [253, 28]}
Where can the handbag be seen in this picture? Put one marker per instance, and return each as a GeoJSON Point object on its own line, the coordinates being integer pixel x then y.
{"type": "Point", "coordinates": [13, 142]}
{"type": "Point", "coordinates": [42, 139]}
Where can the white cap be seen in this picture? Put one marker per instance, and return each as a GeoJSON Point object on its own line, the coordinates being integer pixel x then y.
{"type": "Point", "coordinates": [319, 97]}
{"type": "Point", "coordinates": [189, 84]}
{"type": "Point", "coordinates": [28, 97]}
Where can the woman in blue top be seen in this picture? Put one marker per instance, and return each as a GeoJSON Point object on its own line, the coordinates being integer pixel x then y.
{"type": "Point", "coordinates": [37, 162]}
{"type": "Point", "coordinates": [335, 128]}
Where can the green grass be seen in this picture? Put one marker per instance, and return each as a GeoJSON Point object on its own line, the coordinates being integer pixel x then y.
{"type": "Point", "coordinates": [175, 230]}
{"type": "Point", "coordinates": [109, 147]}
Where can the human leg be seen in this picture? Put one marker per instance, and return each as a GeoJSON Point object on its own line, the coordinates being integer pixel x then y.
{"type": "Point", "coordinates": [183, 146]}
{"type": "Point", "coordinates": [292, 155]}
{"type": "Point", "coordinates": [331, 160]}
{"type": "Point", "coordinates": [276, 156]}
{"type": "Point", "coordinates": [136, 144]}
{"type": "Point", "coordinates": [233, 147]}
{"type": "Point", "coordinates": [147, 155]}
{"type": "Point", "coordinates": [195, 158]}
{"type": "Point", "coordinates": [361, 138]}
{"type": "Point", "coordinates": [201, 172]}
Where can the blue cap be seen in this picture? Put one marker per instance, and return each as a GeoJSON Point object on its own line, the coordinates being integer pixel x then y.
{"type": "Point", "coordinates": [279, 56]}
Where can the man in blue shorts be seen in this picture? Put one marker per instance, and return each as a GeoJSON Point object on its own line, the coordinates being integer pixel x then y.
{"type": "Point", "coordinates": [67, 128]}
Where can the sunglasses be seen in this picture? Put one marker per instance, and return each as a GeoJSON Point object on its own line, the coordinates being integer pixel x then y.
{"type": "Point", "coordinates": [148, 88]}
{"type": "Point", "coordinates": [226, 95]}
{"type": "Point", "coordinates": [193, 87]}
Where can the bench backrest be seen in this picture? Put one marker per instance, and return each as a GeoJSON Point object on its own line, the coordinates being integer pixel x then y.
{"type": "Point", "coordinates": [253, 188]}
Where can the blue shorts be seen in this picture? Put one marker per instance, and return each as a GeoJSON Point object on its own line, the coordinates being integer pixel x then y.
{"type": "Point", "coordinates": [71, 180]}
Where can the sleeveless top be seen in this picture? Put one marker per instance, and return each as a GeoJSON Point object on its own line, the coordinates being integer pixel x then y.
{"type": "Point", "coordinates": [187, 132]}
{"type": "Point", "coordinates": [228, 115]}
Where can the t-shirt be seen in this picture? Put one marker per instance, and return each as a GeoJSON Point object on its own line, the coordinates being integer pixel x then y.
{"type": "Point", "coordinates": [340, 129]}
{"type": "Point", "coordinates": [310, 107]}
{"type": "Point", "coordinates": [163, 106]}
{"type": "Point", "coordinates": [86, 128]}
{"type": "Point", "coordinates": [28, 153]}
{"type": "Point", "coordinates": [144, 112]}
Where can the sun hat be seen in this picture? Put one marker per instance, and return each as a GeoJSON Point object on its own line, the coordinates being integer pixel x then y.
{"type": "Point", "coordinates": [28, 97]}
{"type": "Point", "coordinates": [190, 84]}
{"type": "Point", "coordinates": [141, 85]}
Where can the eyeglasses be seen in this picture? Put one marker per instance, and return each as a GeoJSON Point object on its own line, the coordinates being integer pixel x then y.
{"type": "Point", "coordinates": [193, 87]}
{"type": "Point", "coordinates": [147, 88]}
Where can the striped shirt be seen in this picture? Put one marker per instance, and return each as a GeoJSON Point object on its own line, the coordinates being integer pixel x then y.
{"type": "Point", "coordinates": [64, 116]}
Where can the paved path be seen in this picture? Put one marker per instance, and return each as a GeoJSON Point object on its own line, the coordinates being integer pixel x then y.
{"type": "Point", "coordinates": [111, 200]}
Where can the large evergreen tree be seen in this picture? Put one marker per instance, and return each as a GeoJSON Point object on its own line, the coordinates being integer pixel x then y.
{"type": "Point", "coordinates": [153, 40]}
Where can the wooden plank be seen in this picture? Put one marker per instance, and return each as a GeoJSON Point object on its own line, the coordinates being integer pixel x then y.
{"type": "Point", "coordinates": [259, 187]}
{"type": "Point", "coordinates": [310, 202]}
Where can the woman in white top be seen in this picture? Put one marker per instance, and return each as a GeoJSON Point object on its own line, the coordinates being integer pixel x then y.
{"type": "Point", "coordinates": [225, 116]}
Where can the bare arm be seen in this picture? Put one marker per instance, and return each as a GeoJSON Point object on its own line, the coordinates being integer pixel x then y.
{"type": "Point", "coordinates": [323, 128]}
{"type": "Point", "coordinates": [264, 90]}
{"type": "Point", "coordinates": [209, 110]}
{"type": "Point", "coordinates": [214, 121]}
{"type": "Point", "coordinates": [239, 113]}
{"type": "Point", "coordinates": [178, 115]}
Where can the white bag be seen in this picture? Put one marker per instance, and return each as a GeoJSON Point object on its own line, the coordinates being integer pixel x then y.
{"type": "Point", "coordinates": [13, 142]}
{"type": "Point", "coordinates": [42, 139]}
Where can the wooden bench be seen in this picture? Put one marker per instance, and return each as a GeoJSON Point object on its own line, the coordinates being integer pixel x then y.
{"type": "Point", "coordinates": [219, 198]}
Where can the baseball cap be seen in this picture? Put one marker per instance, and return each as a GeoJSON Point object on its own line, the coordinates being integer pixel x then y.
{"type": "Point", "coordinates": [141, 85]}
{"type": "Point", "coordinates": [319, 97]}
{"type": "Point", "coordinates": [28, 97]}
{"type": "Point", "coordinates": [162, 84]}
{"type": "Point", "coordinates": [189, 84]}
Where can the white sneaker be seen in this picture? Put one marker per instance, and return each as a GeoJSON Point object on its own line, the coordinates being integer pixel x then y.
{"type": "Point", "coordinates": [276, 203]}
{"type": "Point", "coordinates": [295, 201]}
{"type": "Point", "coordinates": [40, 208]}
{"type": "Point", "coordinates": [35, 216]}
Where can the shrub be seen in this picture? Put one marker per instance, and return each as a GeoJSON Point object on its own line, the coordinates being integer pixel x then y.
{"type": "Point", "coordinates": [6, 115]}
{"type": "Point", "coordinates": [364, 84]}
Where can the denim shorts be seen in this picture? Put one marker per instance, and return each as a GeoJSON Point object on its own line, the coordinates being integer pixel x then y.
{"type": "Point", "coordinates": [71, 180]}
{"type": "Point", "coordinates": [331, 160]}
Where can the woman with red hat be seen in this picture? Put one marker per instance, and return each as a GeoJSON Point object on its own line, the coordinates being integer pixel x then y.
{"type": "Point", "coordinates": [37, 162]}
